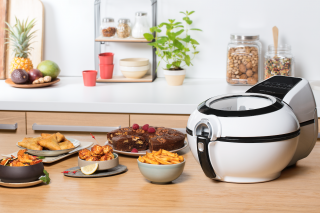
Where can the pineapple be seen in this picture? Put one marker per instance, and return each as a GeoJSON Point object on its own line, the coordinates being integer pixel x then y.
{"type": "Point", "coordinates": [20, 36]}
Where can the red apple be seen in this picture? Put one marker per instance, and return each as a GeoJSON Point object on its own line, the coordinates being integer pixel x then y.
{"type": "Point", "coordinates": [34, 74]}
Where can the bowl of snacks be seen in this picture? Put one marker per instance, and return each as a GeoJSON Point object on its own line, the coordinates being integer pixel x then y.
{"type": "Point", "coordinates": [103, 155]}
{"type": "Point", "coordinates": [21, 169]}
{"type": "Point", "coordinates": [161, 166]}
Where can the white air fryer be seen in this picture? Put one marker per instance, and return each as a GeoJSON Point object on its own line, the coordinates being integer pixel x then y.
{"type": "Point", "coordinates": [251, 137]}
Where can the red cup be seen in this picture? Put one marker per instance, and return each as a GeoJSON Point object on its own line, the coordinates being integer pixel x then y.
{"type": "Point", "coordinates": [106, 58]}
{"type": "Point", "coordinates": [89, 77]}
{"type": "Point", "coordinates": [106, 71]}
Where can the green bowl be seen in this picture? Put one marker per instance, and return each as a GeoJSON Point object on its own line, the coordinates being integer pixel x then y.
{"type": "Point", "coordinates": [161, 173]}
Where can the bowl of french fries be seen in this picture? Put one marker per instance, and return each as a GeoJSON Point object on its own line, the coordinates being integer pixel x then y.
{"type": "Point", "coordinates": [161, 166]}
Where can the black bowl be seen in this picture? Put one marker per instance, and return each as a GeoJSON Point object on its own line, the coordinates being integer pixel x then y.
{"type": "Point", "coordinates": [23, 174]}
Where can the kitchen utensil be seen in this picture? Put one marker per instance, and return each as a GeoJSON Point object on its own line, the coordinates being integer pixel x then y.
{"type": "Point", "coordinates": [11, 83]}
{"type": "Point", "coordinates": [161, 173]}
{"type": "Point", "coordinates": [134, 72]}
{"type": "Point", "coordinates": [22, 174]}
{"type": "Point", "coordinates": [253, 136]}
{"type": "Point", "coordinates": [106, 58]}
{"type": "Point", "coordinates": [21, 185]}
{"type": "Point", "coordinates": [103, 165]}
{"type": "Point", "coordinates": [89, 78]}
{"type": "Point", "coordinates": [83, 145]}
{"type": "Point", "coordinates": [106, 71]}
{"type": "Point", "coordinates": [51, 153]}
{"type": "Point", "coordinates": [275, 33]}
{"type": "Point", "coordinates": [141, 153]}
{"type": "Point", "coordinates": [3, 19]}
{"type": "Point", "coordinates": [114, 171]}
{"type": "Point", "coordinates": [22, 10]}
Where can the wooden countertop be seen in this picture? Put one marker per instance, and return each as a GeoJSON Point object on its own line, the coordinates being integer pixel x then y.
{"type": "Point", "coordinates": [297, 190]}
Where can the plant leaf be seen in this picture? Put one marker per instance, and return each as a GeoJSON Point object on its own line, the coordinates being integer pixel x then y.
{"type": "Point", "coordinates": [179, 26]}
{"type": "Point", "coordinates": [187, 60]}
{"type": "Point", "coordinates": [196, 29]}
{"type": "Point", "coordinates": [46, 179]}
{"type": "Point", "coordinates": [190, 13]}
{"type": "Point", "coordinates": [187, 39]}
{"type": "Point", "coordinates": [194, 41]}
{"type": "Point", "coordinates": [169, 66]}
{"type": "Point", "coordinates": [178, 33]}
{"type": "Point", "coordinates": [183, 13]}
{"type": "Point", "coordinates": [171, 36]}
{"type": "Point", "coordinates": [178, 44]}
{"type": "Point", "coordinates": [148, 36]}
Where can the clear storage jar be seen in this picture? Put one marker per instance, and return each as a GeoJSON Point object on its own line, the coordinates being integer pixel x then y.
{"type": "Point", "coordinates": [108, 27]}
{"type": "Point", "coordinates": [124, 28]}
{"type": "Point", "coordinates": [243, 65]}
{"type": "Point", "coordinates": [141, 25]}
{"type": "Point", "coordinates": [281, 63]}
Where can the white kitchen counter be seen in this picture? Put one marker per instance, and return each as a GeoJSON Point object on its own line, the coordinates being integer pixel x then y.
{"type": "Point", "coordinates": [69, 95]}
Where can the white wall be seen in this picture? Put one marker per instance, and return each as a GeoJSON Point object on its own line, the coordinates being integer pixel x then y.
{"type": "Point", "coordinates": [69, 31]}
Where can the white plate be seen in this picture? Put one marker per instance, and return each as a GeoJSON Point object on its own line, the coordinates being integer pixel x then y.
{"type": "Point", "coordinates": [51, 153]}
{"type": "Point", "coordinates": [83, 145]}
{"type": "Point", "coordinates": [140, 153]}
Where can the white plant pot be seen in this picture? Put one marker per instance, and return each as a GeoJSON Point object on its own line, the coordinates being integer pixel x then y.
{"type": "Point", "coordinates": [174, 78]}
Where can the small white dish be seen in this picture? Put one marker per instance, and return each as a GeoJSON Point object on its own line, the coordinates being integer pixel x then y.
{"type": "Point", "coordinates": [102, 165]}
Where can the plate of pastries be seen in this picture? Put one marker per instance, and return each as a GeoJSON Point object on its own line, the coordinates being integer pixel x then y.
{"type": "Point", "coordinates": [137, 140]}
{"type": "Point", "coordinates": [48, 145]}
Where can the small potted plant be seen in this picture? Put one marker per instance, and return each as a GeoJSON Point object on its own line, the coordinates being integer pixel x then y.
{"type": "Point", "coordinates": [177, 49]}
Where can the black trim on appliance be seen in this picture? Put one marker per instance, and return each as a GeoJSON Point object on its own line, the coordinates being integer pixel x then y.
{"type": "Point", "coordinates": [277, 86]}
{"type": "Point", "coordinates": [189, 131]}
{"type": "Point", "coordinates": [204, 156]}
{"type": "Point", "coordinates": [264, 139]}
{"type": "Point", "coordinates": [203, 108]}
{"type": "Point", "coordinates": [306, 123]}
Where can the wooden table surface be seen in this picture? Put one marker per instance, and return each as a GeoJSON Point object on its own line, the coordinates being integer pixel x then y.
{"type": "Point", "coordinates": [297, 190]}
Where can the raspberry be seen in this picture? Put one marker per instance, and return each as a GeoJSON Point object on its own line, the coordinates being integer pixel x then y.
{"type": "Point", "coordinates": [135, 126]}
{"type": "Point", "coordinates": [145, 127]}
{"type": "Point", "coordinates": [134, 150]}
{"type": "Point", "coordinates": [151, 130]}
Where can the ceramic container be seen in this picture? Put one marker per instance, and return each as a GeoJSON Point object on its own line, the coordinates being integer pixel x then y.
{"type": "Point", "coordinates": [174, 78]}
{"type": "Point", "coordinates": [134, 72]}
{"type": "Point", "coordinates": [89, 77]}
{"type": "Point", "coordinates": [103, 165]}
{"type": "Point", "coordinates": [9, 174]}
{"type": "Point", "coordinates": [134, 62]}
{"type": "Point", "coordinates": [106, 71]}
{"type": "Point", "coordinates": [106, 58]}
{"type": "Point", "coordinates": [161, 173]}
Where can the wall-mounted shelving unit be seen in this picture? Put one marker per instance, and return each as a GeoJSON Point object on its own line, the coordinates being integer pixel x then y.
{"type": "Point", "coordinates": [98, 40]}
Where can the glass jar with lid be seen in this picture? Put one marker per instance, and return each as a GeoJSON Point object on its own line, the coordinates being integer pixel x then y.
{"type": "Point", "coordinates": [141, 25]}
{"type": "Point", "coordinates": [124, 28]}
{"type": "Point", "coordinates": [243, 55]}
{"type": "Point", "coordinates": [108, 27]}
{"type": "Point", "coordinates": [280, 63]}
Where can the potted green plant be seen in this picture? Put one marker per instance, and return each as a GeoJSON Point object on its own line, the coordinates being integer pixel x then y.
{"type": "Point", "coordinates": [176, 48]}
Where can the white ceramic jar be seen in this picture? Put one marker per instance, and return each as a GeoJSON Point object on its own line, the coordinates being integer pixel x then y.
{"type": "Point", "coordinates": [141, 25]}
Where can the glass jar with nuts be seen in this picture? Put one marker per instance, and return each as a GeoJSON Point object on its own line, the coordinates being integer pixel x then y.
{"type": "Point", "coordinates": [108, 28]}
{"type": "Point", "coordinates": [124, 28]}
{"type": "Point", "coordinates": [243, 66]}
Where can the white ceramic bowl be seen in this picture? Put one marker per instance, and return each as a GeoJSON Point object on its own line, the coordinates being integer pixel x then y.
{"type": "Point", "coordinates": [161, 173]}
{"type": "Point", "coordinates": [134, 72]}
{"type": "Point", "coordinates": [134, 62]}
{"type": "Point", "coordinates": [102, 165]}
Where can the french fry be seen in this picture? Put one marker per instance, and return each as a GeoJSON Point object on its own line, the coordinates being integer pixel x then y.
{"type": "Point", "coordinates": [181, 158]}
{"type": "Point", "coordinates": [150, 156]}
{"type": "Point", "coordinates": [162, 160]}
{"type": "Point", "coordinates": [165, 152]}
{"type": "Point", "coordinates": [141, 159]}
{"type": "Point", "coordinates": [161, 157]}
{"type": "Point", "coordinates": [175, 162]}
{"type": "Point", "coordinates": [174, 159]}
{"type": "Point", "coordinates": [151, 161]}
{"type": "Point", "coordinates": [157, 152]}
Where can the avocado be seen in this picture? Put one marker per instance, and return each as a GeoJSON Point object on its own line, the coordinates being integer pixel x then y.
{"type": "Point", "coordinates": [19, 76]}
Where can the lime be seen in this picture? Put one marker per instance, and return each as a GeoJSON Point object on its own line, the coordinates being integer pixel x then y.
{"type": "Point", "coordinates": [90, 169]}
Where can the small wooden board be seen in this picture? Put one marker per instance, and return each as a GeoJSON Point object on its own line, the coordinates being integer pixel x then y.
{"type": "Point", "coordinates": [23, 9]}
{"type": "Point", "coordinates": [122, 79]}
{"type": "Point", "coordinates": [3, 19]}
{"type": "Point", "coordinates": [115, 39]}
{"type": "Point", "coordinates": [9, 81]}
{"type": "Point", "coordinates": [21, 185]}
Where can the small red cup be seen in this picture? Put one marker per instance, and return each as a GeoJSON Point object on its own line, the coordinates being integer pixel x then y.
{"type": "Point", "coordinates": [106, 71]}
{"type": "Point", "coordinates": [106, 58]}
{"type": "Point", "coordinates": [89, 77]}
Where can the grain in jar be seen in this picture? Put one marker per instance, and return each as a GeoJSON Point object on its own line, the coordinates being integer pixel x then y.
{"type": "Point", "coordinates": [243, 59]}
{"type": "Point", "coordinates": [124, 28]}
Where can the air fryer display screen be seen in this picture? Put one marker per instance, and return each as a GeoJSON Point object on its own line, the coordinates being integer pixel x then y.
{"type": "Point", "coordinates": [277, 86]}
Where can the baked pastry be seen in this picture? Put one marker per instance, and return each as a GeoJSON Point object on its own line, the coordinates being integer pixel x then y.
{"type": "Point", "coordinates": [128, 142]}
{"type": "Point", "coordinates": [153, 138]}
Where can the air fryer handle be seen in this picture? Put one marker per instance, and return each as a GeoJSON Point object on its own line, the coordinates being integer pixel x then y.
{"type": "Point", "coordinates": [203, 154]}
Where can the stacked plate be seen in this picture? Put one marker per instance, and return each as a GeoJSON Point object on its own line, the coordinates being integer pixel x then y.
{"type": "Point", "coordinates": [134, 68]}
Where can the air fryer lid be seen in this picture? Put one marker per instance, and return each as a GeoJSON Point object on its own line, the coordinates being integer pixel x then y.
{"type": "Point", "coordinates": [240, 105]}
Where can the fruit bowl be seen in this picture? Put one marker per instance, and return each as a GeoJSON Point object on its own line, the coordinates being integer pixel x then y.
{"type": "Point", "coordinates": [103, 165]}
{"type": "Point", "coordinates": [11, 83]}
{"type": "Point", "coordinates": [161, 173]}
{"type": "Point", "coordinates": [9, 174]}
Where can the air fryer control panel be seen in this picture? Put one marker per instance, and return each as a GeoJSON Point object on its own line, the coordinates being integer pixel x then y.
{"type": "Point", "coordinates": [277, 86]}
